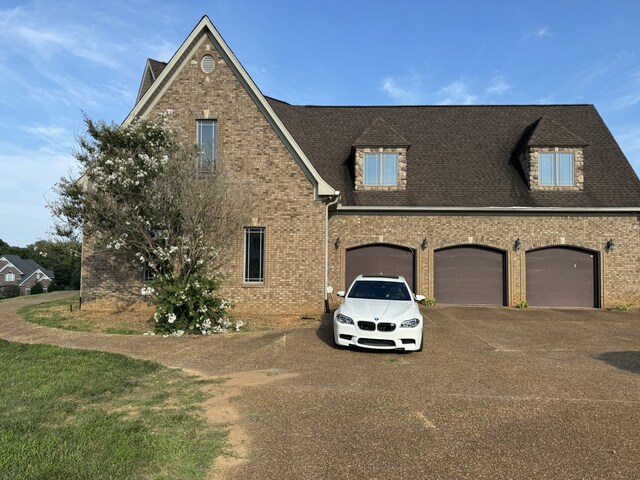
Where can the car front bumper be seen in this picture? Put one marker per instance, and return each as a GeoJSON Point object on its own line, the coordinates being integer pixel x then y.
{"type": "Point", "coordinates": [348, 335]}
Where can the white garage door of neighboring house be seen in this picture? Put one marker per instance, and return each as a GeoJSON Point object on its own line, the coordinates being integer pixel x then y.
{"type": "Point", "coordinates": [562, 277]}
{"type": "Point", "coordinates": [471, 275]}
{"type": "Point", "coordinates": [380, 258]}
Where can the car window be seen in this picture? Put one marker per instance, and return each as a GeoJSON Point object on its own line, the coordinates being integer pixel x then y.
{"type": "Point", "coordinates": [379, 290]}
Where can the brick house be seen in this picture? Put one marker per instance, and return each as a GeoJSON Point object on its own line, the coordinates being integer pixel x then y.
{"type": "Point", "coordinates": [472, 204]}
{"type": "Point", "coordinates": [24, 273]}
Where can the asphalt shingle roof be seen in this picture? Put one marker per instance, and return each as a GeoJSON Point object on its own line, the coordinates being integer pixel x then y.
{"type": "Point", "coordinates": [26, 266]}
{"type": "Point", "coordinates": [156, 67]}
{"type": "Point", "coordinates": [462, 156]}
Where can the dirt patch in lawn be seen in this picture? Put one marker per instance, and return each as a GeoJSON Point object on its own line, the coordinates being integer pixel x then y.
{"type": "Point", "coordinates": [133, 321]}
{"type": "Point", "coordinates": [257, 322]}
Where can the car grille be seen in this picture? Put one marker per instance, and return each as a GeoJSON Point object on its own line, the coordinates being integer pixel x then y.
{"type": "Point", "coordinates": [386, 327]}
{"type": "Point", "coordinates": [376, 342]}
{"type": "Point", "coordinates": [371, 326]}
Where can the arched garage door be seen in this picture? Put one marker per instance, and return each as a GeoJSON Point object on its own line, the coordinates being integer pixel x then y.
{"type": "Point", "coordinates": [469, 275]}
{"type": "Point", "coordinates": [387, 259]}
{"type": "Point", "coordinates": [562, 277]}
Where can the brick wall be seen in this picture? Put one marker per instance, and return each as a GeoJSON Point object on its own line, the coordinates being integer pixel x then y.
{"type": "Point", "coordinates": [620, 268]}
{"type": "Point", "coordinates": [285, 201]}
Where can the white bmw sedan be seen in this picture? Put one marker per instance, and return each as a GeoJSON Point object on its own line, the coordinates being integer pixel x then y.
{"type": "Point", "coordinates": [379, 311]}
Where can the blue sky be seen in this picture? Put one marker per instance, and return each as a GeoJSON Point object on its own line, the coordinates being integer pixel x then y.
{"type": "Point", "coordinates": [60, 58]}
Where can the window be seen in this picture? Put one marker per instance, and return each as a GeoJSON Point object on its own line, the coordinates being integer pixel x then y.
{"type": "Point", "coordinates": [148, 274]}
{"type": "Point", "coordinates": [254, 254]}
{"type": "Point", "coordinates": [206, 139]}
{"type": "Point", "coordinates": [10, 277]}
{"type": "Point", "coordinates": [556, 169]}
{"type": "Point", "coordinates": [381, 169]}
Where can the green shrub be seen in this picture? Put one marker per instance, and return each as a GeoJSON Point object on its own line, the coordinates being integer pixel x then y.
{"type": "Point", "coordinates": [522, 304]}
{"type": "Point", "coordinates": [428, 302]}
{"type": "Point", "coordinates": [9, 291]}
{"type": "Point", "coordinates": [53, 287]}
{"type": "Point", "coordinates": [190, 308]}
{"type": "Point", "coordinates": [37, 288]}
{"type": "Point", "coordinates": [623, 307]}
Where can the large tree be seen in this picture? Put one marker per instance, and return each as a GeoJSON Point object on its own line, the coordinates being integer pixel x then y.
{"type": "Point", "coordinates": [141, 195]}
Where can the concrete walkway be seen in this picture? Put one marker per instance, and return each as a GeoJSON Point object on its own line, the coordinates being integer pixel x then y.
{"type": "Point", "coordinates": [498, 393]}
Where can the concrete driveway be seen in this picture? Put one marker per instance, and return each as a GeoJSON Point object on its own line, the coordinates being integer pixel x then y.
{"type": "Point", "coordinates": [497, 393]}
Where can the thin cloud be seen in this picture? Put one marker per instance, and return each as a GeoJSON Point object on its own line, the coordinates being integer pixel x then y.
{"type": "Point", "coordinates": [631, 95]}
{"type": "Point", "coordinates": [543, 32]}
{"type": "Point", "coordinates": [498, 86]}
{"type": "Point", "coordinates": [403, 94]}
{"type": "Point", "coordinates": [456, 93]}
{"type": "Point", "coordinates": [21, 31]}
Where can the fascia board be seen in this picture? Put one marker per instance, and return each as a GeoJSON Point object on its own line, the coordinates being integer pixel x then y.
{"type": "Point", "coordinates": [487, 210]}
{"type": "Point", "coordinates": [9, 264]}
{"type": "Point", "coordinates": [323, 188]}
{"type": "Point", "coordinates": [44, 275]}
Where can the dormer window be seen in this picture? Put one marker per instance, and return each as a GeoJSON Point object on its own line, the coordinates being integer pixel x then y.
{"type": "Point", "coordinates": [551, 157]}
{"type": "Point", "coordinates": [556, 169]}
{"type": "Point", "coordinates": [381, 169]}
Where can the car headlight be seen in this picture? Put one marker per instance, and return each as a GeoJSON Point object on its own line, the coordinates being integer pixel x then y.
{"type": "Point", "coordinates": [344, 319]}
{"type": "Point", "coordinates": [414, 322]}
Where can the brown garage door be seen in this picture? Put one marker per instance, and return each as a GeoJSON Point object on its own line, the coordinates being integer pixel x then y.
{"type": "Point", "coordinates": [562, 277]}
{"type": "Point", "coordinates": [387, 259]}
{"type": "Point", "coordinates": [469, 275]}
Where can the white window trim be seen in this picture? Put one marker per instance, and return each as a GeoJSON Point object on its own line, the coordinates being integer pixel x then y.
{"type": "Point", "coordinates": [263, 254]}
{"type": "Point", "coordinates": [556, 169]}
{"type": "Point", "coordinates": [13, 275]}
{"type": "Point", "coordinates": [214, 153]}
{"type": "Point", "coordinates": [379, 156]}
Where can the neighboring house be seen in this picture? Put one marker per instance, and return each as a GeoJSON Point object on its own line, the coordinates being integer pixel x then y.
{"type": "Point", "coordinates": [472, 204]}
{"type": "Point", "coordinates": [24, 273]}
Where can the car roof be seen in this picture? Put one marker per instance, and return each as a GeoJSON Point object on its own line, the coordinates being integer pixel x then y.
{"type": "Point", "coordinates": [379, 276]}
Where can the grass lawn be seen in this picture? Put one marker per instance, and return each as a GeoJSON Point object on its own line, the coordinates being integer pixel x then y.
{"type": "Point", "coordinates": [72, 414]}
{"type": "Point", "coordinates": [58, 315]}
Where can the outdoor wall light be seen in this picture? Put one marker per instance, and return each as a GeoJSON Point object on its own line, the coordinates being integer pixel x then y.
{"type": "Point", "coordinates": [337, 244]}
{"type": "Point", "coordinates": [517, 244]}
{"type": "Point", "coordinates": [609, 246]}
{"type": "Point", "coordinates": [424, 244]}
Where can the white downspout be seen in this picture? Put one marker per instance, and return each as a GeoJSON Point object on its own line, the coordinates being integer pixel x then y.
{"type": "Point", "coordinates": [326, 250]}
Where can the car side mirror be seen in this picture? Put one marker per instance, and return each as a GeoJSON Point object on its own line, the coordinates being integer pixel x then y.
{"type": "Point", "coordinates": [340, 293]}
{"type": "Point", "coordinates": [419, 298]}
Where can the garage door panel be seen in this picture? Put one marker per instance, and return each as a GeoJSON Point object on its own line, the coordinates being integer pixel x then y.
{"type": "Point", "coordinates": [386, 259]}
{"type": "Point", "coordinates": [469, 275]}
{"type": "Point", "coordinates": [561, 277]}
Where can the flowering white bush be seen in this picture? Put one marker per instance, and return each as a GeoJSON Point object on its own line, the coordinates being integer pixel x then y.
{"type": "Point", "coordinates": [144, 201]}
{"type": "Point", "coordinates": [192, 308]}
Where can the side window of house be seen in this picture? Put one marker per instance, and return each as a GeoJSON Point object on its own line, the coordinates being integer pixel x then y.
{"type": "Point", "coordinates": [10, 277]}
{"type": "Point", "coordinates": [207, 141]}
{"type": "Point", "coordinates": [556, 169]}
{"type": "Point", "coordinates": [381, 169]}
{"type": "Point", "coordinates": [254, 254]}
{"type": "Point", "coordinates": [148, 275]}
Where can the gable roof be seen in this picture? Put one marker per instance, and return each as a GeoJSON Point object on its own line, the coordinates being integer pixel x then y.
{"type": "Point", "coordinates": [152, 70]}
{"type": "Point", "coordinates": [27, 267]}
{"type": "Point", "coordinates": [463, 156]}
{"type": "Point", "coordinates": [206, 29]}
{"type": "Point", "coordinates": [380, 134]}
{"type": "Point", "coordinates": [545, 132]}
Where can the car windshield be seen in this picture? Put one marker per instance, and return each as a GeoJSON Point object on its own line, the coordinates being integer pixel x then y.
{"type": "Point", "coordinates": [379, 290]}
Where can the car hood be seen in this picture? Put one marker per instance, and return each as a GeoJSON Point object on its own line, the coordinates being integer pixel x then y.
{"type": "Point", "coordinates": [360, 309]}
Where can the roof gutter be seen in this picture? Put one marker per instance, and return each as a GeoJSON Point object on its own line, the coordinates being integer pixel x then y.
{"type": "Point", "coordinates": [484, 210]}
{"type": "Point", "coordinates": [326, 250]}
